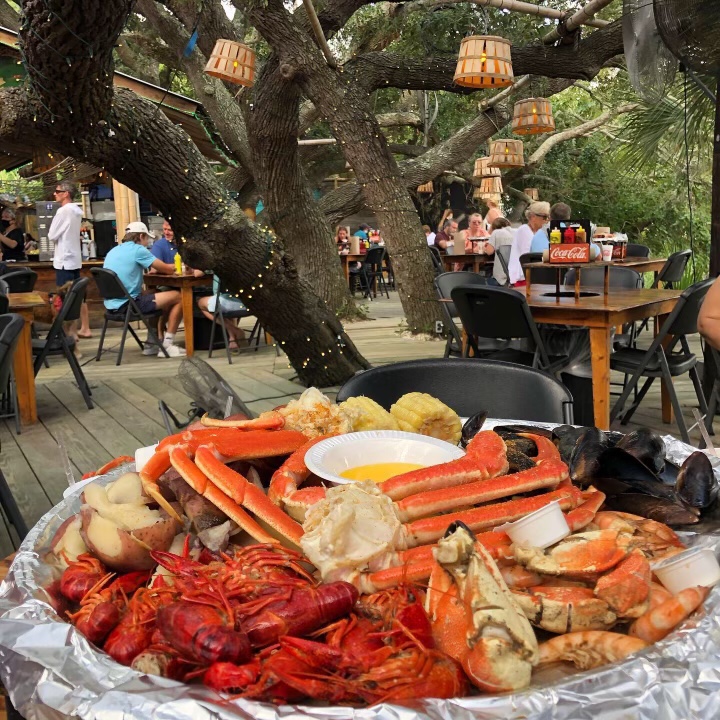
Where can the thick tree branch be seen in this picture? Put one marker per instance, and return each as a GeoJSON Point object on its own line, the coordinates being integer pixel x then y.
{"type": "Point", "coordinates": [398, 119]}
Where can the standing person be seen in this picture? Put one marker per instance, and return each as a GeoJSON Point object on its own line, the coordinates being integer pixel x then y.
{"type": "Point", "coordinates": [493, 212]}
{"type": "Point", "coordinates": [12, 242]}
{"type": "Point", "coordinates": [501, 234]}
{"type": "Point", "coordinates": [64, 233]}
{"type": "Point", "coordinates": [537, 214]}
{"type": "Point", "coordinates": [164, 248]}
{"type": "Point", "coordinates": [559, 212]}
{"type": "Point", "coordinates": [129, 260]}
{"type": "Point", "coordinates": [446, 236]}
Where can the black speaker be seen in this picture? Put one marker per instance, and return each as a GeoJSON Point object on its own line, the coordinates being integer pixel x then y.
{"type": "Point", "coordinates": [104, 236]}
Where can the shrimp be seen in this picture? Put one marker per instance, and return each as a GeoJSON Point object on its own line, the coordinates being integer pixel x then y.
{"type": "Point", "coordinates": [659, 621]}
{"type": "Point", "coordinates": [590, 648]}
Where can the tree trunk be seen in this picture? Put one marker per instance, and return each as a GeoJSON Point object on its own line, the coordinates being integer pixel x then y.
{"type": "Point", "coordinates": [79, 114]}
{"type": "Point", "coordinates": [273, 120]}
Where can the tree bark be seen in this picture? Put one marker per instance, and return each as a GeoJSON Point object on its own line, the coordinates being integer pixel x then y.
{"type": "Point", "coordinates": [88, 119]}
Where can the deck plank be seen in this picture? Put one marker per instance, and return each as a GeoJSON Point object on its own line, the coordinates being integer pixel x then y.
{"type": "Point", "coordinates": [83, 447]}
{"type": "Point", "coordinates": [30, 464]}
{"type": "Point", "coordinates": [162, 389]}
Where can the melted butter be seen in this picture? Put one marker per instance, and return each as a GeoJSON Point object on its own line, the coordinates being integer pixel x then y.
{"type": "Point", "coordinates": [379, 472]}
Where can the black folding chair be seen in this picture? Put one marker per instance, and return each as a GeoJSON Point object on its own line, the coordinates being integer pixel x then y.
{"type": "Point", "coordinates": [11, 326]}
{"type": "Point", "coordinates": [620, 277]}
{"type": "Point", "coordinates": [637, 250]}
{"type": "Point", "coordinates": [58, 343]}
{"type": "Point", "coordinates": [502, 313]}
{"type": "Point", "coordinates": [663, 362]}
{"type": "Point", "coordinates": [111, 288]}
{"type": "Point", "coordinates": [541, 276]}
{"type": "Point", "coordinates": [219, 319]}
{"type": "Point", "coordinates": [503, 253]}
{"type": "Point", "coordinates": [17, 281]}
{"type": "Point", "coordinates": [436, 260]}
{"type": "Point", "coordinates": [468, 386]}
{"type": "Point", "coordinates": [371, 273]}
{"type": "Point", "coordinates": [13, 514]}
{"type": "Point", "coordinates": [444, 284]}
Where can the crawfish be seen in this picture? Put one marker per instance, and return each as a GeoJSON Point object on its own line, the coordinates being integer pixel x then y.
{"type": "Point", "coordinates": [203, 632]}
{"type": "Point", "coordinates": [81, 575]}
{"type": "Point", "coordinates": [298, 611]}
{"type": "Point", "coordinates": [100, 609]}
{"type": "Point", "coordinates": [133, 634]}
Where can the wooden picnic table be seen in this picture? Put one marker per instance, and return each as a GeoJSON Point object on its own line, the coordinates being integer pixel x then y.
{"type": "Point", "coordinates": [477, 260]}
{"type": "Point", "coordinates": [346, 260]}
{"type": "Point", "coordinates": [600, 313]}
{"type": "Point", "coordinates": [185, 282]}
{"type": "Point", "coordinates": [24, 304]}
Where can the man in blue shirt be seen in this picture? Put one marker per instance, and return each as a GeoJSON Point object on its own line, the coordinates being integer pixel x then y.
{"type": "Point", "coordinates": [129, 260]}
{"type": "Point", "coordinates": [362, 232]}
{"type": "Point", "coordinates": [165, 248]}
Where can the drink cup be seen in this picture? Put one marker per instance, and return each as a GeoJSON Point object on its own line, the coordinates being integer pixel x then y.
{"type": "Point", "coordinates": [607, 251]}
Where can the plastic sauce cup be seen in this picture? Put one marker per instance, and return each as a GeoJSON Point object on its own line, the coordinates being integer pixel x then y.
{"type": "Point", "coordinates": [539, 529]}
{"type": "Point", "coordinates": [142, 455]}
{"type": "Point", "coordinates": [690, 568]}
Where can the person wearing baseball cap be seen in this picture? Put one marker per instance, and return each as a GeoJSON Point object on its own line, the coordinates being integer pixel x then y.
{"type": "Point", "coordinates": [129, 260]}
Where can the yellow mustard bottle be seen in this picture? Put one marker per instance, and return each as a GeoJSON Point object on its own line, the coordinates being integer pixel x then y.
{"type": "Point", "coordinates": [178, 264]}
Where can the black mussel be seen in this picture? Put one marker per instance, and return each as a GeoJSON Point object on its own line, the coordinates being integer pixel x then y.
{"type": "Point", "coordinates": [619, 464]}
{"type": "Point", "coordinates": [518, 461]}
{"type": "Point", "coordinates": [616, 486]}
{"type": "Point", "coordinates": [518, 429]}
{"type": "Point", "coordinates": [696, 483]}
{"type": "Point", "coordinates": [647, 446]}
{"type": "Point", "coordinates": [585, 457]}
{"type": "Point", "coordinates": [472, 427]}
{"type": "Point", "coordinates": [614, 437]}
{"type": "Point", "coordinates": [523, 445]}
{"type": "Point", "coordinates": [669, 473]}
{"type": "Point", "coordinates": [565, 437]}
{"type": "Point", "coordinates": [654, 508]}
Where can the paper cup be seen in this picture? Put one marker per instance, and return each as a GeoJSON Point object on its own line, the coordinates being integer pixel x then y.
{"type": "Point", "coordinates": [607, 251]}
{"type": "Point", "coordinates": [690, 568]}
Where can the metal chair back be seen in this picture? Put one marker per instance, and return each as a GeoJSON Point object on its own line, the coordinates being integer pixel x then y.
{"type": "Point", "coordinates": [674, 269]}
{"type": "Point", "coordinates": [503, 254]}
{"type": "Point", "coordinates": [18, 281]}
{"type": "Point", "coordinates": [620, 277]}
{"type": "Point", "coordinates": [11, 325]}
{"type": "Point", "coordinates": [468, 386]}
{"type": "Point", "coordinates": [638, 250]}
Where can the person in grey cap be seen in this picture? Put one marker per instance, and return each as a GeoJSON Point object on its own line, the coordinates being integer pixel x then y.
{"type": "Point", "coordinates": [129, 260]}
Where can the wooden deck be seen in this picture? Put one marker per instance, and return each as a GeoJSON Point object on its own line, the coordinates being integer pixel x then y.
{"type": "Point", "coordinates": [126, 415]}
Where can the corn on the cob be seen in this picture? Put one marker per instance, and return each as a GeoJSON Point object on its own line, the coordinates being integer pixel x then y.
{"type": "Point", "coordinates": [424, 414]}
{"type": "Point", "coordinates": [365, 414]}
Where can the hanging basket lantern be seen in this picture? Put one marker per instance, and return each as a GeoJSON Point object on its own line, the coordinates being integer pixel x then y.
{"type": "Point", "coordinates": [484, 62]}
{"type": "Point", "coordinates": [506, 153]}
{"type": "Point", "coordinates": [232, 61]}
{"type": "Point", "coordinates": [532, 193]}
{"type": "Point", "coordinates": [490, 186]}
{"type": "Point", "coordinates": [533, 116]}
{"type": "Point", "coordinates": [483, 169]}
{"type": "Point", "coordinates": [426, 188]}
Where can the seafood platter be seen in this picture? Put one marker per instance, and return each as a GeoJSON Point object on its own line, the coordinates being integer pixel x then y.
{"type": "Point", "coordinates": [361, 561]}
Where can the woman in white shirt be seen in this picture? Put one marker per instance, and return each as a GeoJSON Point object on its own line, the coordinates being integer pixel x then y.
{"type": "Point", "coordinates": [537, 214]}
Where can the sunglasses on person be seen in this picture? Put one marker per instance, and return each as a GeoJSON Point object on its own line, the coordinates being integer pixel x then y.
{"type": "Point", "coordinates": [544, 217]}
{"type": "Point", "coordinates": [57, 192]}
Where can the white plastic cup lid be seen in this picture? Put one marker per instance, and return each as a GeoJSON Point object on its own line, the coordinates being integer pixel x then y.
{"type": "Point", "coordinates": [694, 567]}
{"type": "Point", "coordinates": [142, 455]}
{"type": "Point", "coordinates": [539, 529]}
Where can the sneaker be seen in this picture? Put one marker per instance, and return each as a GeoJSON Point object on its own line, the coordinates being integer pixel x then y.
{"type": "Point", "coordinates": [172, 351]}
{"type": "Point", "coordinates": [150, 349]}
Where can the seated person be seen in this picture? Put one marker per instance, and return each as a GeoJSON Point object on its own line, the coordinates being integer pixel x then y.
{"type": "Point", "coordinates": [129, 260]}
{"type": "Point", "coordinates": [446, 236]}
{"type": "Point", "coordinates": [164, 248]}
{"type": "Point", "coordinates": [475, 230]}
{"type": "Point", "coordinates": [537, 214]}
{"type": "Point", "coordinates": [429, 235]}
{"type": "Point", "coordinates": [559, 212]}
{"type": "Point", "coordinates": [709, 316]}
{"type": "Point", "coordinates": [12, 241]}
{"type": "Point", "coordinates": [229, 304]}
{"type": "Point", "coordinates": [501, 234]}
{"type": "Point", "coordinates": [341, 239]}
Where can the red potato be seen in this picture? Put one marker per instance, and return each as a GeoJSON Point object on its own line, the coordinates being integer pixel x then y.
{"type": "Point", "coordinates": [67, 543]}
{"type": "Point", "coordinates": [126, 550]}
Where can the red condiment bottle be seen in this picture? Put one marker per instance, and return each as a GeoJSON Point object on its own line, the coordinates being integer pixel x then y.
{"type": "Point", "coordinates": [569, 236]}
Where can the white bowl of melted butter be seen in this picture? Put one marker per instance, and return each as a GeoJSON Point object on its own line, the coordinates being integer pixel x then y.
{"type": "Point", "coordinates": [376, 455]}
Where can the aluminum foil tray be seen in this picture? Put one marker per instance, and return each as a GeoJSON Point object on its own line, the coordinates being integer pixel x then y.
{"type": "Point", "coordinates": [52, 672]}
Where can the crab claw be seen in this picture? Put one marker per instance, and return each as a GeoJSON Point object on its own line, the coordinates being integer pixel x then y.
{"type": "Point", "coordinates": [475, 618]}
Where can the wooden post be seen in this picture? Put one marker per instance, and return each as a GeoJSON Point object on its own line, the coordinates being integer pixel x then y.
{"type": "Point", "coordinates": [127, 207]}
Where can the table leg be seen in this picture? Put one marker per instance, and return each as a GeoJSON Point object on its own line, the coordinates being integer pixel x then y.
{"type": "Point", "coordinates": [187, 310]}
{"type": "Point", "coordinates": [346, 268]}
{"type": "Point", "coordinates": [527, 281]}
{"type": "Point", "coordinates": [665, 402]}
{"type": "Point", "coordinates": [600, 351]}
{"type": "Point", "coordinates": [606, 281]}
{"type": "Point", "coordinates": [577, 283]}
{"type": "Point", "coordinates": [24, 374]}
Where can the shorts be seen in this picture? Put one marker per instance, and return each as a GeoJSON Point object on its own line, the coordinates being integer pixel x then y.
{"type": "Point", "coordinates": [146, 303]}
{"type": "Point", "coordinates": [228, 305]}
{"type": "Point", "coordinates": [63, 276]}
